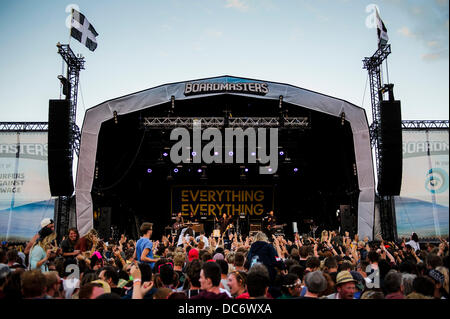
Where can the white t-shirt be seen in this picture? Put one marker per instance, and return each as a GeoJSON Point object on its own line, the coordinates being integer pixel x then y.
{"type": "Point", "coordinates": [414, 245]}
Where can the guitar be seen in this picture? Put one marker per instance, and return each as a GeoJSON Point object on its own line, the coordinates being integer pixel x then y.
{"type": "Point", "coordinates": [276, 226]}
{"type": "Point", "coordinates": [178, 225]}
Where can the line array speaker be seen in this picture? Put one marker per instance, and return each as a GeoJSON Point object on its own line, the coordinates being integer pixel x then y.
{"type": "Point", "coordinates": [59, 148]}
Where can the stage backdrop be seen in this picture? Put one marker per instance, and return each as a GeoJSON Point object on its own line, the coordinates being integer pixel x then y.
{"type": "Point", "coordinates": [24, 190]}
{"type": "Point", "coordinates": [423, 204]}
{"type": "Point", "coordinates": [214, 200]}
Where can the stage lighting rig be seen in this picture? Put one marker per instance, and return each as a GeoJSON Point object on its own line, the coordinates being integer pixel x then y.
{"type": "Point", "coordinates": [66, 86]}
{"type": "Point", "coordinates": [202, 170]}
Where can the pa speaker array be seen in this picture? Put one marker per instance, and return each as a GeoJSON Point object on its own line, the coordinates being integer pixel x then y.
{"type": "Point", "coordinates": [390, 150]}
{"type": "Point", "coordinates": [59, 148]}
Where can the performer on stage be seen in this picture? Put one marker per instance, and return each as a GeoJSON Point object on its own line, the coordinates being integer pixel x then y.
{"type": "Point", "coordinates": [179, 224]}
{"type": "Point", "coordinates": [224, 221]}
{"type": "Point", "coordinates": [192, 218]}
{"type": "Point", "coordinates": [269, 223]}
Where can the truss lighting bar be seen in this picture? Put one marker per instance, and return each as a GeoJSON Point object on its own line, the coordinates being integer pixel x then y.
{"type": "Point", "coordinates": [425, 124]}
{"type": "Point", "coordinates": [23, 126]}
{"type": "Point", "coordinates": [172, 122]}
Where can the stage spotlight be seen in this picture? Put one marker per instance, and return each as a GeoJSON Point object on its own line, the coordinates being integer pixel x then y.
{"type": "Point", "coordinates": [216, 153]}
{"type": "Point", "coordinates": [175, 170]}
{"type": "Point", "coordinates": [253, 153]}
{"type": "Point", "coordinates": [115, 117]}
{"type": "Point", "coordinates": [203, 177]}
{"type": "Point", "coordinates": [281, 153]}
{"type": "Point", "coordinates": [194, 153]}
{"type": "Point", "coordinates": [342, 118]}
{"type": "Point", "coordinates": [165, 154]}
{"type": "Point", "coordinates": [295, 169]}
{"type": "Point", "coordinates": [270, 169]}
{"type": "Point", "coordinates": [230, 153]}
{"type": "Point", "coordinates": [199, 170]}
{"type": "Point", "coordinates": [246, 170]}
{"type": "Point", "coordinates": [149, 170]}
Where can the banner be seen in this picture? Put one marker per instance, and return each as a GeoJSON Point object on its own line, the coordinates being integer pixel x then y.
{"type": "Point", "coordinates": [24, 189]}
{"type": "Point", "coordinates": [206, 202]}
{"type": "Point", "coordinates": [423, 204]}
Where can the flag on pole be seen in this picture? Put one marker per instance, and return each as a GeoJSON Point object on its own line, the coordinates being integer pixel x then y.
{"type": "Point", "coordinates": [83, 31]}
{"type": "Point", "coordinates": [381, 31]}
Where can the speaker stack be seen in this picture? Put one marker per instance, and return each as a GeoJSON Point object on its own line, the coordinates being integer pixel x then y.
{"type": "Point", "coordinates": [59, 148]}
{"type": "Point", "coordinates": [390, 150]}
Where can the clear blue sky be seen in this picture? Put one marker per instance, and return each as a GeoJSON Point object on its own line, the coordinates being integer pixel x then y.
{"type": "Point", "coordinates": [318, 45]}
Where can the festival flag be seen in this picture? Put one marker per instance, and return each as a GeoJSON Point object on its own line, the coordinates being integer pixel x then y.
{"type": "Point", "coordinates": [381, 31]}
{"type": "Point", "coordinates": [83, 31]}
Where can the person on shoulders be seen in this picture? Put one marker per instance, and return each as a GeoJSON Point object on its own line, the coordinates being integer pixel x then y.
{"type": "Point", "coordinates": [144, 247]}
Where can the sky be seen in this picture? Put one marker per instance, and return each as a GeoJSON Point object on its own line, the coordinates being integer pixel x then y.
{"type": "Point", "coordinates": [314, 44]}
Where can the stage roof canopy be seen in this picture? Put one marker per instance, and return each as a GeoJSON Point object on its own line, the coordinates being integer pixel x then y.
{"type": "Point", "coordinates": [226, 86]}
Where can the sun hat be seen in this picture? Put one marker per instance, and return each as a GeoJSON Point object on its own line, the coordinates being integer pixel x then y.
{"type": "Point", "coordinates": [344, 277]}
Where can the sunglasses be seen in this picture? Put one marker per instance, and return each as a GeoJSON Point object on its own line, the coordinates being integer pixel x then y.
{"type": "Point", "coordinates": [168, 263]}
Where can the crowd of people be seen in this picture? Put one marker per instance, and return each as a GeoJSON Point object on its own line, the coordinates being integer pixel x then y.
{"type": "Point", "coordinates": [197, 266]}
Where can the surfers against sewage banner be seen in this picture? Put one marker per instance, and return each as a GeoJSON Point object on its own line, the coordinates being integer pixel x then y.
{"type": "Point", "coordinates": [423, 204]}
{"type": "Point", "coordinates": [24, 189]}
{"type": "Point", "coordinates": [215, 200]}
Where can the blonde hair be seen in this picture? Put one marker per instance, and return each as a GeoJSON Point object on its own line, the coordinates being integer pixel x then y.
{"type": "Point", "coordinates": [179, 259]}
{"type": "Point", "coordinates": [444, 271]}
{"type": "Point", "coordinates": [324, 234]}
{"type": "Point", "coordinates": [260, 236]}
{"type": "Point", "coordinates": [46, 242]}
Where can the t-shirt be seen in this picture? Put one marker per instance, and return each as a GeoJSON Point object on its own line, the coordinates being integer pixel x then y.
{"type": "Point", "coordinates": [37, 254]}
{"type": "Point", "coordinates": [141, 245]}
{"type": "Point", "coordinates": [68, 247]}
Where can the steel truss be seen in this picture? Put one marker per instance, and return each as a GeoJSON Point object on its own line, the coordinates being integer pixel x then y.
{"type": "Point", "coordinates": [189, 122]}
{"type": "Point", "coordinates": [23, 126]}
{"type": "Point", "coordinates": [373, 66]}
{"type": "Point", "coordinates": [425, 124]}
{"type": "Point", "coordinates": [74, 65]}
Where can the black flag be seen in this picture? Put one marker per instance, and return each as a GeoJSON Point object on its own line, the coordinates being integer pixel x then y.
{"type": "Point", "coordinates": [83, 31]}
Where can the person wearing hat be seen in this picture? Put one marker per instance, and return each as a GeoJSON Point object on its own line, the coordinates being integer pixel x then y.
{"type": "Point", "coordinates": [315, 284]}
{"type": "Point", "coordinates": [345, 286]}
{"type": "Point", "coordinates": [44, 245]}
{"type": "Point", "coordinates": [193, 254]}
{"type": "Point", "coordinates": [439, 280]}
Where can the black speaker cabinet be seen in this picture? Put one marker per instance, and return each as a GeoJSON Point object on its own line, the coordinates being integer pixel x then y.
{"type": "Point", "coordinates": [390, 149]}
{"type": "Point", "coordinates": [59, 148]}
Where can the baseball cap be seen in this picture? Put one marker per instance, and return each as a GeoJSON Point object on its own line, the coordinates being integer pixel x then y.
{"type": "Point", "coordinates": [193, 254]}
{"type": "Point", "coordinates": [45, 222]}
